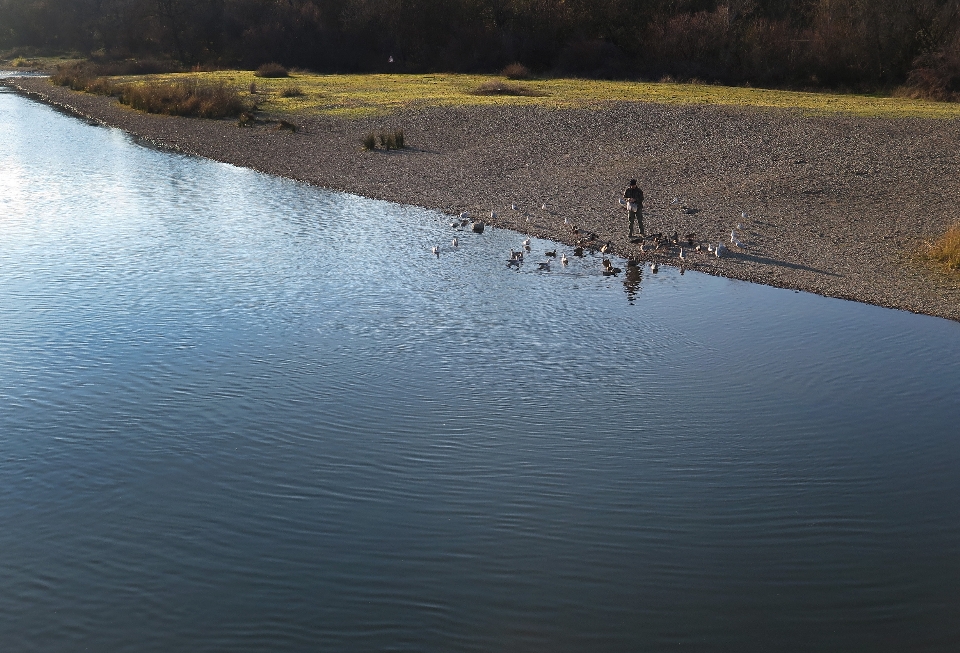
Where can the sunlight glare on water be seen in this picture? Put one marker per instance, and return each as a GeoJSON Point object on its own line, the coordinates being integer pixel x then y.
{"type": "Point", "coordinates": [242, 413]}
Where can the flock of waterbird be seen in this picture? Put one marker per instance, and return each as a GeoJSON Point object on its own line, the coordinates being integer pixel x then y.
{"type": "Point", "coordinates": [657, 244]}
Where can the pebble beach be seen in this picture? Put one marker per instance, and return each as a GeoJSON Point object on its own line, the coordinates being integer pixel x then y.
{"type": "Point", "coordinates": [835, 205]}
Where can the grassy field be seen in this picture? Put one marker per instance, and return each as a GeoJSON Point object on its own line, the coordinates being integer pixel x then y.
{"type": "Point", "coordinates": [366, 95]}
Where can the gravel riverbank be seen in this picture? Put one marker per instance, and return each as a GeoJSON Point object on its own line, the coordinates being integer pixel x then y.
{"type": "Point", "coordinates": [835, 205]}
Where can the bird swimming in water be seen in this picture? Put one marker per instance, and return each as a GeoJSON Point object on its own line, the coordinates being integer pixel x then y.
{"type": "Point", "coordinates": [464, 216]}
{"type": "Point", "coordinates": [553, 253]}
{"type": "Point", "coordinates": [436, 250]}
{"type": "Point", "coordinates": [544, 265]}
{"type": "Point", "coordinates": [563, 259]}
{"type": "Point", "coordinates": [455, 243]}
{"type": "Point", "coordinates": [654, 267]}
{"type": "Point", "coordinates": [526, 243]}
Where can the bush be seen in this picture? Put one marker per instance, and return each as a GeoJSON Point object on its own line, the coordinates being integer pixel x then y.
{"type": "Point", "coordinates": [388, 140]}
{"type": "Point", "coordinates": [370, 142]}
{"type": "Point", "coordinates": [184, 98]}
{"type": "Point", "coordinates": [501, 88]}
{"type": "Point", "coordinates": [516, 71]}
{"type": "Point", "coordinates": [291, 91]}
{"type": "Point", "coordinates": [935, 76]}
{"type": "Point", "coordinates": [946, 251]}
{"type": "Point", "coordinates": [272, 70]}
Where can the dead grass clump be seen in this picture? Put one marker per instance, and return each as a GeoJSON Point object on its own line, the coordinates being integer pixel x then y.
{"type": "Point", "coordinates": [388, 140]}
{"type": "Point", "coordinates": [502, 88]}
{"type": "Point", "coordinates": [184, 98]}
{"type": "Point", "coordinates": [516, 71]}
{"type": "Point", "coordinates": [946, 251]}
{"type": "Point", "coordinates": [291, 91]}
{"type": "Point", "coordinates": [272, 70]}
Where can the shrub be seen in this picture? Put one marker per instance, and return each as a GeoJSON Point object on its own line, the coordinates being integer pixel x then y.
{"type": "Point", "coordinates": [946, 251]}
{"type": "Point", "coordinates": [291, 91]}
{"type": "Point", "coordinates": [253, 88]}
{"type": "Point", "coordinates": [184, 98]}
{"type": "Point", "coordinates": [516, 71]}
{"type": "Point", "coordinates": [272, 70]}
{"type": "Point", "coordinates": [370, 142]}
{"type": "Point", "coordinates": [388, 140]}
{"type": "Point", "coordinates": [502, 88]}
{"type": "Point", "coordinates": [398, 139]}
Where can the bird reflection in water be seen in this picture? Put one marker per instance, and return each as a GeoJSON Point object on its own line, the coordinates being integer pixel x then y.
{"type": "Point", "coordinates": [631, 281]}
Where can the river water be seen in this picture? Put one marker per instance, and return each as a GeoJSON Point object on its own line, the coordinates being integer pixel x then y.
{"type": "Point", "coordinates": [239, 413]}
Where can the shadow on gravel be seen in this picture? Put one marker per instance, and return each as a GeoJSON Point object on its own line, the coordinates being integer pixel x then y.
{"type": "Point", "coordinates": [763, 260]}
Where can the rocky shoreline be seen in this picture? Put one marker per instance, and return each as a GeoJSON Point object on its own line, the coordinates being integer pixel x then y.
{"type": "Point", "coordinates": [835, 205]}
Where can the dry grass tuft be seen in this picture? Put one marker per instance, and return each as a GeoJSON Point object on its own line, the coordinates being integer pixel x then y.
{"type": "Point", "coordinates": [272, 70]}
{"type": "Point", "coordinates": [502, 88]}
{"type": "Point", "coordinates": [946, 251]}
{"type": "Point", "coordinates": [516, 71]}
{"type": "Point", "coordinates": [184, 98]}
{"type": "Point", "coordinates": [292, 91]}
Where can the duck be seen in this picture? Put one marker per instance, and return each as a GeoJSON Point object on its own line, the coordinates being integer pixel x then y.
{"type": "Point", "coordinates": [544, 265]}
{"type": "Point", "coordinates": [551, 253]}
{"type": "Point", "coordinates": [699, 248]}
{"type": "Point", "coordinates": [455, 242]}
{"type": "Point", "coordinates": [689, 238]}
{"type": "Point", "coordinates": [654, 267]}
{"type": "Point", "coordinates": [563, 259]}
{"type": "Point", "coordinates": [605, 248]}
{"type": "Point", "coordinates": [464, 216]}
{"type": "Point", "coordinates": [578, 251]}
{"type": "Point", "coordinates": [526, 243]}
{"type": "Point", "coordinates": [436, 250]}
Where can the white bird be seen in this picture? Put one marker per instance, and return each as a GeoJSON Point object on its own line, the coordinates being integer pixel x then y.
{"type": "Point", "coordinates": [493, 215]}
{"type": "Point", "coordinates": [654, 267]}
{"type": "Point", "coordinates": [710, 248]}
{"type": "Point", "coordinates": [526, 243]}
{"type": "Point", "coordinates": [566, 221]}
{"type": "Point", "coordinates": [676, 200]}
{"type": "Point", "coordinates": [454, 224]}
{"type": "Point", "coordinates": [719, 250]}
{"type": "Point", "coordinates": [543, 207]}
{"type": "Point", "coordinates": [744, 215]}
{"type": "Point", "coordinates": [733, 236]}
{"type": "Point", "coordinates": [390, 59]}
{"type": "Point", "coordinates": [456, 243]}
{"type": "Point", "coordinates": [464, 216]}
{"type": "Point", "coordinates": [436, 249]}
{"type": "Point", "coordinates": [563, 259]}
{"type": "Point", "coordinates": [683, 257]}
{"type": "Point", "coordinates": [513, 206]}
{"type": "Point", "coordinates": [528, 218]}
{"type": "Point", "coordinates": [622, 201]}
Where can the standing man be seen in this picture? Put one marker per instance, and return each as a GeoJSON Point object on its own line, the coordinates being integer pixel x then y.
{"type": "Point", "coordinates": [634, 197]}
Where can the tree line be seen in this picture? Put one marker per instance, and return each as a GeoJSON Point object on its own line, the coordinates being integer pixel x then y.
{"type": "Point", "coordinates": [856, 44]}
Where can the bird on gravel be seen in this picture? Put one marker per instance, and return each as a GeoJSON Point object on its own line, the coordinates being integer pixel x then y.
{"type": "Point", "coordinates": [719, 251]}
{"type": "Point", "coordinates": [733, 236]}
{"type": "Point", "coordinates": [605, 248]}
{"type": "Point", "coordinates": [514, 206]}
{"type": "Point", "coordinates": [744, 215]}
{"type": "Point", "coordinates": [675, 201]}
{"type": "Point", "coordinates": [464, 216]}
{"type": "Point", "coordinates": [543, 207]}
{"type": "Point", "coordinates": [710, 249]}
{"type": "Point", "coordinates": [528, 218]}
{"type": "Point", "coordinates": [622, 201]}
{"type": "Point", "coordinates": [683, 257]}
{"type": "Point", "coordinates": [493, 215]}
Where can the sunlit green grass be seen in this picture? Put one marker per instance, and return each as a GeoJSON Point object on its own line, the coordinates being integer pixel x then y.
{"type": "Point", "coordinates": [366, 95]}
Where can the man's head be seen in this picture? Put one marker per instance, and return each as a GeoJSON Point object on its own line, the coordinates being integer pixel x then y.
{"type": "Point", "coordinates": [633, 182]}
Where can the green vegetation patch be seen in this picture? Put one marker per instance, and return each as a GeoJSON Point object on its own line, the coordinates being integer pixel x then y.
{"type": "Point", "coordinates": [367, 95]}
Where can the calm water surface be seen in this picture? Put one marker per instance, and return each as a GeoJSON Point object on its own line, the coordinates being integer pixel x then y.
{"type": "Point", "coordinates": [238, 413]}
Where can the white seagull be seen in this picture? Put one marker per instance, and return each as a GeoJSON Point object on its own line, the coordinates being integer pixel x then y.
{"type": "Point", "coordinates": [526, 243]}
{"type": "Point", "coordinates": [654, 267]}
{"type": "Point", "coordinates": [719, 250]}
{"type": "Point", "coordinates": [514, 206]}
{"type": "Point", "coordinates": [563, 258]}
{"type": "Point", "coordinates": [456, 243]}
{"type": "Point", "coordinates": [683, 257]}
{"type": "Point", "coordinates": [436, 250]}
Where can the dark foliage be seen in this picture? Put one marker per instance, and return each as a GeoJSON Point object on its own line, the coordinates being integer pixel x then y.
{"type": "Point", "coordinates": [857, 44]}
